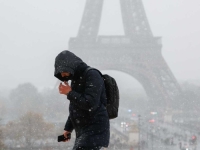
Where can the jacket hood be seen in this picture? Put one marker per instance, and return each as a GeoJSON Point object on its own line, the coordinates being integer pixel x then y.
{"type": "Point", "coordinates": [66, 61]}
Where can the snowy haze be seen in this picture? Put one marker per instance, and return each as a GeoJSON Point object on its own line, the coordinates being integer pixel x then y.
{"type": "Point", "coordinates": [32, 33]}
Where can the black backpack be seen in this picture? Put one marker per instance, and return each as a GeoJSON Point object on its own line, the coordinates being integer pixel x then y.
{"type": "Point", "coordinates": [112, 94]}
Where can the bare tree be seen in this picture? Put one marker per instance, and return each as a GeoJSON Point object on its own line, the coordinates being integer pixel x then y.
{"type": "Point", "coordinates": [2, 146]}
{"type": "Point", "coordinates": [24, 97]}
{"type": "Point", "coordinates": [29, 129]}
{"type": "Point", "coordinates": [2, 106]}
{"type": "Point", "coordinates": [52, 101]}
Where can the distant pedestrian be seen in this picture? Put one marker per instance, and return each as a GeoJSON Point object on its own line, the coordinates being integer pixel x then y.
{"type": "Point", "coordinates": [172, 141]}
{"type": "Point", "coordinates": [87, 112]}
{"type": "Point", "coordinates": [180, 145]}
{"type": "Point", "coordinates": [131, 148]}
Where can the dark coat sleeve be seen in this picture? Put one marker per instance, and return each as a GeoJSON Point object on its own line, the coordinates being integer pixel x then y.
{"type": "Point", "coordinates": [69, 126]}
{"type": "Point", "coordinates": [88, 100]}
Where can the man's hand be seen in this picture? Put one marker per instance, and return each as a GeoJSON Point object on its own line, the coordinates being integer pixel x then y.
{"type": "Point", "coordinates": [65, 135]}
{"type": "Point", "coordinates": [64, 89]}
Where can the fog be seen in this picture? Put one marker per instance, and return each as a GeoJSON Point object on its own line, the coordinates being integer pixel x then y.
{"type": "Point", "coordinates": [41, 29]}
{"type": "Point", "coordinates": [32, 33]}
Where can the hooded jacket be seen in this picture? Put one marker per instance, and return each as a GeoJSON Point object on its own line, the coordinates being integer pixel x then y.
{"type": "Point", "coordinates": [87, 113]}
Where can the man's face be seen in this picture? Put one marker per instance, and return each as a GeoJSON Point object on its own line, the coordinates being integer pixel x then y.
{"type": "Point", "coordinates": [65, 74]}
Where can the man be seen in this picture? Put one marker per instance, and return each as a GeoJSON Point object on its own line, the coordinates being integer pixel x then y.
{"type": "Point", "coordinates": [87, 112]}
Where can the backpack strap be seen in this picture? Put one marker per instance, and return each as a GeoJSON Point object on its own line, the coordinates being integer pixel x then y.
{"type": "Point", "coordinates": [85, 72]}
{"type": "Point", "coordinates": [90, 68]}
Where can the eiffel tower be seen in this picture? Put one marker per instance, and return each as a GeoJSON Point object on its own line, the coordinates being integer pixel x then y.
{"type": "Point", "coordinates": [137, 53]}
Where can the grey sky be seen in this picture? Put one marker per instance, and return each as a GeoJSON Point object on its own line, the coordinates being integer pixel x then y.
{"type": "Point", "coordinates": [32, 33]}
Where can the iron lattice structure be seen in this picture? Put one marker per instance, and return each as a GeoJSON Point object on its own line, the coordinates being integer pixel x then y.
{"type": "Point", "coordinates": [137, 53]}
